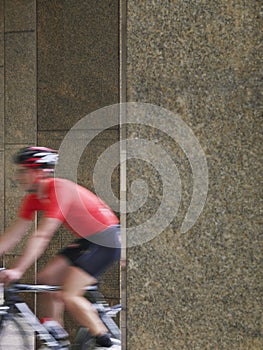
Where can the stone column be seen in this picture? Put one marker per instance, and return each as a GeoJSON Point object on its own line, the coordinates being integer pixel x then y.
{"type": "Point", "coordinates": [201, 61]}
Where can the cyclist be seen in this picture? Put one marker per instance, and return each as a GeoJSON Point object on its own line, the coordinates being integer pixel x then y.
{"type": "Point", "coordinates": [80, 263]}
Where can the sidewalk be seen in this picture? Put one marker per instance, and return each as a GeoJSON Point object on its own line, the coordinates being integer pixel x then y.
{"type": "Point", "coordinates": [11, 339]}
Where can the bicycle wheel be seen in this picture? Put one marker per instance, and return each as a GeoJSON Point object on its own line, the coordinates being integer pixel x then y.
{"type": "Point", "coordinates": [15, 334]}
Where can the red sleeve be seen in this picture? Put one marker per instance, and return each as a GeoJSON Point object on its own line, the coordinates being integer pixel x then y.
{"type": "Point", "coordinates": [27, 210]}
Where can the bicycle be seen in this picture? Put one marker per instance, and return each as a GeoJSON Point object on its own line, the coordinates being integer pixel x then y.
{"type": "Point", "coordinates": [17, 320]}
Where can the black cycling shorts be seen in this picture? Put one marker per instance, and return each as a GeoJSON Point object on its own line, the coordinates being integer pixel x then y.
{"type": "Point", "coordinates": [94, 254]}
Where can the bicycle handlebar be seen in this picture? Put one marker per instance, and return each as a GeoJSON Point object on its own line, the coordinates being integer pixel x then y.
{"type": "Point", "coordinates": [20, 287]}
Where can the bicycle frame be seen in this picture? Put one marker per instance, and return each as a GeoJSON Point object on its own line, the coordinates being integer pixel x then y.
{"type": "Point", "coordinates": [13, 304]}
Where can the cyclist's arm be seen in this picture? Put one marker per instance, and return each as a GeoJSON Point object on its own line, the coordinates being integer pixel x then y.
{"type": "Point", "coordinates": [37, 243]}
{"type": "Point", "coordinates": [13, 234]}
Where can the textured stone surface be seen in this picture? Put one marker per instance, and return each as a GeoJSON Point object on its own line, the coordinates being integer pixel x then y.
{"type": "Point", "coordinates": [1, 75]}
{"type": "Point", "coordinates": [20, 15]}
{"type": "Point", "coordinates": [1, 33]}
{"type": "Point", "coordinates": [200, 289]}
{"type": "Point", "coordinates": [78, 60]}
{"type": "Point", "coordinates": [2, 108]}
{"type": "Point", "coordinates": [20, 87]}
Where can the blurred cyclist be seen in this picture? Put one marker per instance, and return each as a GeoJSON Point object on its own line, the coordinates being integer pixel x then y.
{"type": "Point", "coordinates": [80, 263]}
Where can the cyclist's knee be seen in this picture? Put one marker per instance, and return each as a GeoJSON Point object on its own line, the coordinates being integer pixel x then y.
{"type": "Point", "coordinates": [71, 298]}
{"type": "Point", "coordinates": [67, 298]}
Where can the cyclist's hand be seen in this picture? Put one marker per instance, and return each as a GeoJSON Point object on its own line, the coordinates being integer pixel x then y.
{"type": "Point", "coordinates": [9, 276]}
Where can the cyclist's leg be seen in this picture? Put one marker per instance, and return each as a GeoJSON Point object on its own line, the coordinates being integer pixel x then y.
{"type": "Point", "coordinates": [54, 274]}
{"type": "Point", "coordinates": [87, 267]}
{"type": "Point", "coordinates": [80, 308]}
{"type": "Point", "coordinates": [51, 304]}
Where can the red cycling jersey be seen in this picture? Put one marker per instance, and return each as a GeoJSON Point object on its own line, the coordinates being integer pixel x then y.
{"type": "Point", "coordinates": [78, 208]}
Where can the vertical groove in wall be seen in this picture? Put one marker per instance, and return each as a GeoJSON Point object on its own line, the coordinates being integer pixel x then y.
{"type": "Point", "coordinates": [36, 131]}
{"type": "Point", "coordinates": [123, 174]}
{"type": "Point", "coordinates": [4, 158]}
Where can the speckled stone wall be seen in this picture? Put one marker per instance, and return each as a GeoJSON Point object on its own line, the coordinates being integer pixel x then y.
{"type": "Point", "coordinates": [1, 114]}
{"type": "Point", "coordinates": [201, 289]}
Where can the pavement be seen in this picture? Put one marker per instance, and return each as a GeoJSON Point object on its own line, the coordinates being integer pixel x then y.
{"type": "Point", "coordinates": [10, 338]}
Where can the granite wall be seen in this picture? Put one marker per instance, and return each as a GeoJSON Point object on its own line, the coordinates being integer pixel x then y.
{"type": "Point", "coordinates": [202, 62]}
